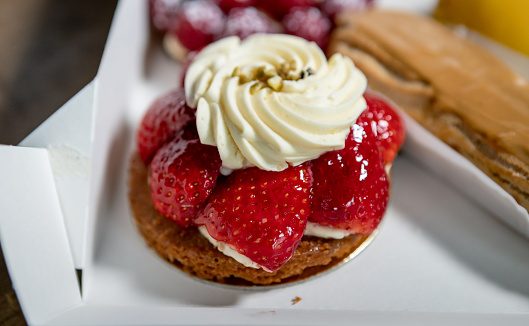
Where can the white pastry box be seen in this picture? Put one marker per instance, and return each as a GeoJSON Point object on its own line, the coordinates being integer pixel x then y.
{"type": "Point", "coordinates": [75, 257]}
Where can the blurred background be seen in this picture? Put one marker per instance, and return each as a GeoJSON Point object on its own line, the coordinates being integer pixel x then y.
{"type": "Point", "coordinates": [49, 49]}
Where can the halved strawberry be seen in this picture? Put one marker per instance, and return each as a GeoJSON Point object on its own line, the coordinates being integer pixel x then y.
{"type": "Point", "coordinates": [386, 123]}
{"type": "Point", "coordinates": [350, 190]}
{"type": "Point", "coordinates": [183, 175]}
{"type": "Point", "coordinates": [261, 214]}
{"type": "Point", "coordinates": [167, 115]}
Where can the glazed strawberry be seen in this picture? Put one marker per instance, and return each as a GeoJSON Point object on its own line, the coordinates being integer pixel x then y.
{"type": "Point", "coordinates": [163, 13]}
{"type": "Point", "coordinates": [331, 7]}
{"type": "Point", "coordinates": [261, 214]}
{"type": "Point", "coordinates": [308, 23]}
{"type": "Point", "coordinates": [386, 123]}
{"type": "Point", "coordinates": [198, 22]}
{"type": "Point", "coordinates": [167, 115]}
{"type": "Point", "coordinates": [246, 21]}
{"type": "Point", "coordinates": [280, 8]}
{"type": "Point", "coordinates": [183, 175]}
{"type": "Point", "coordinates": [227, 5]}
{"type": "Point", "coordinates": [350, 189]}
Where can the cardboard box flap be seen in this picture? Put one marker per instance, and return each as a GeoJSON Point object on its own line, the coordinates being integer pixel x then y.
{"type": "Point", "coordinates": [447, 164]}
{"type": "Point", "coordinates": [33, 235]}
{"type": "Point", "coordinates": [121, 66]}
{"type": "Point", "coordinates": [67, 137]}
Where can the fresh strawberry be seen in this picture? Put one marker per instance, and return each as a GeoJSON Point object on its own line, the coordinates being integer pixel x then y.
{"type": "Point", "coordinates": [244, 22]}
{"type": "Point", "coordinates": [183, 175]}
{"type": "Point", "coordinates": [386, 123]}
{"type": "Point", "coordinates": [163, 13]}
{"type": "Point", "coordinates": [351, 188]}
{"type": "Point", "coordinates": [331, 7]}
{"type": "Point", "coordinates": [227, 5]}
{"type": "Point", "coordinates": [261, 214]}
{"type": "Point", "coordinates": [167, 115]}
{"type": "Point", "coordinates": [198, 22]}
{"type": "Point", "coordinates": [279, 8]}
{"type": "Point", "coordinates": [309, 23]}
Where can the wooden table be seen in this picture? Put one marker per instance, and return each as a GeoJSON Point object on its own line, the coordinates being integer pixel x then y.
{"type": "Point", "coordinates": [49, 49]}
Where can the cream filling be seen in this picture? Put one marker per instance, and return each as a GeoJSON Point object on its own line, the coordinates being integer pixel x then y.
{"type": "Point", "coordinates": [228, 251]}
{"type": "Point", "coordinates": [321, 231]}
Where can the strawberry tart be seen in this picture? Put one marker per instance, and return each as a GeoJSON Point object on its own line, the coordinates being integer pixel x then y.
{"type": "Point", "coordinates": [268, 167]}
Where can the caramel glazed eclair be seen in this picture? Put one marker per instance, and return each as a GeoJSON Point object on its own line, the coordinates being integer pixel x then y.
{"type": "Point", "coordinates": [458, 91]}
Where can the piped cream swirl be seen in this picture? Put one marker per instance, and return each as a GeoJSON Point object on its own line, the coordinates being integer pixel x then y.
{"type": "Point", "coordinates": [266, 128]}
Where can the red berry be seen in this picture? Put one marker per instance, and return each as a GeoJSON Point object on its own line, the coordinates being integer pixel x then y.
{"type": "Point", "coordinates": [198, 22]}
{"type": "Point", "coordinates": [261, 214]}
{"type": "Point", "coordinates": [163, 13]}
{"type": "Point", "coordinates": [246, 21]}
{"type": "Point", "coordinates": [164, 118]}
{"type": "Point", "coordinates": [227, 5]}
{"type": "Point", "coordinates": [183, 175]}
{"type": "Point", "coordinates": [350, 185]}
{"type": "Point", "coordinates": [386, 124]}
{"type": "Point", "coordinates": [279, 8]}
{"type": "Point", "coordinates": [332, 7]}
{"type": "Point", "coordinates": [308, 23]}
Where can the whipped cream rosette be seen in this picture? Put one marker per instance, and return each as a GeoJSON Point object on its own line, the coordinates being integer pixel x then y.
{"type": "Point", "coordinates": [273, 100]}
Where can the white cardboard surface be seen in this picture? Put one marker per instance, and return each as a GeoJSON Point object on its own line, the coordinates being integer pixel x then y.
{"type": "Point", "coordinates": [66, 136]}
{"type": "Point", "coordinates": [33, 235]}
{"type": "Point", "coordinates": [122, 64]}
{"type": "Point", "coordinates": [169, 316]}
{"type": "Point", "coordinates": [433, 244]}
{"type": "Point", "coordinates": [447, 164]}
{"type": "Point", "coordinates": [438, 259]}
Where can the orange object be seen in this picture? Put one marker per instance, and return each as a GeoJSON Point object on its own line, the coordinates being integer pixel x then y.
{"type": "Point", "coordinates": [505, 21]}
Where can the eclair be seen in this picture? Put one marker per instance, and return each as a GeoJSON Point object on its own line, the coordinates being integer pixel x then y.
{"type": "Point", "coordinates": [458, 91]}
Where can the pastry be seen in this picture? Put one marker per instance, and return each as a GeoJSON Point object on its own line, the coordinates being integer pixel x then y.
{"type": "Point", "coordinates": [458, 91]}
{"type": "Point", "coordinates": [279, 174]}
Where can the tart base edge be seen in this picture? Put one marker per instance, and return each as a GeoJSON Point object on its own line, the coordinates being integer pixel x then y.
{"type": "Point", "coordinates": [189, 251]}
